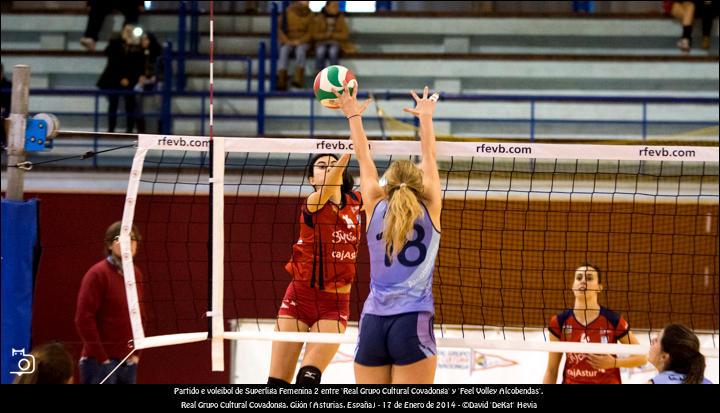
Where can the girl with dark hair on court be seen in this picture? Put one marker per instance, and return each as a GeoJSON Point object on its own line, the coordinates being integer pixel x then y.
{"type": "Point", "coordinates": [589, 322]}
{"type": "Point", "coordinates": [675, 353]}
{"type": "Point", "coordinates": [396, 343]}
{"type": "Point", "coordinates": [323, 266]}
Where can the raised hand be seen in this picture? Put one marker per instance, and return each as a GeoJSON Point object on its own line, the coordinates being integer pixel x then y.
{"type": "Point", "coordinates": [348, 102]}
{"type": "Point", "coordinates": [424, 106]}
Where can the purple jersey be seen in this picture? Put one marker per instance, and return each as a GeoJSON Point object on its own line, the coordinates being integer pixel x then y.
{"type": "Point", "coordinates": [403, 284]}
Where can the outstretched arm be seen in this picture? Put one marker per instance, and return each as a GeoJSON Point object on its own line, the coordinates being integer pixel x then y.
{"type": "Point", "coordinates": [424, 109]}
{"type": "Point", "coordinates": [352, 109]}
{"type": "Point", "coordinates": [333, 182]}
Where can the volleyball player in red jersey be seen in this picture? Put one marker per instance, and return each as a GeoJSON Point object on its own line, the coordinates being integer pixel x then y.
{"type": "Point", "coordinates": [589, 322]}
{"type": "Point", "coordinates": [323, 266]}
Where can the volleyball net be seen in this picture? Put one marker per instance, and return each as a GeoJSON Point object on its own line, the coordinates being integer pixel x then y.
{"type": "Point", "coordinates": [517, 220]}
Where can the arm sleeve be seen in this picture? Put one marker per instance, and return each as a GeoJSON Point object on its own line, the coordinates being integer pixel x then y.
{"type": "Point", "coordinates": [317, 28]}
{"type": "Point", "coordinates": [307, 37]}
{"type": "Point", "coordinates": [341, 32]}
{"type": "Point", "coordinates": [622, 328]}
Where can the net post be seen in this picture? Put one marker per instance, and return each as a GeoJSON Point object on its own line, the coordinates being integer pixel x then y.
{"type": "Point", "coordinates": [16, 135]}
{"type": "Point", "coordinates": [216, 243]}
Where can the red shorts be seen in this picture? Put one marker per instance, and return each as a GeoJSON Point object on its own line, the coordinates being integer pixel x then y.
{"type": "Point", "coordinates": [311, 305]}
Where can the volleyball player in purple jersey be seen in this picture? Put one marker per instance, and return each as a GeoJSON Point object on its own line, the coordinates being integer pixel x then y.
{"type": "Point", "coordinates": [396, 343]}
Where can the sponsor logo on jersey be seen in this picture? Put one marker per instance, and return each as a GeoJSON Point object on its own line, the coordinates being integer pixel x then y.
{"type": "Point", "coordinates": [342, 237]}
{"type": "Point", "coordinates": [348, 221]}
{"type": "Point", "coordinates": [344, 255]}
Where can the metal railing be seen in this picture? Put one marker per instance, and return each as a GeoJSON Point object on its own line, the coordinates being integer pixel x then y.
{"type": "Point", "coordinates": [173, 86]}
{"type": "Point", "coordinates": [170, 90]}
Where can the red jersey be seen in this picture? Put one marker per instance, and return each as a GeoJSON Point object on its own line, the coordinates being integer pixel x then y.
{"type": "Point", "coordinates": [327, 249]}
{"type": "Point", "coordinates": [608, 327]}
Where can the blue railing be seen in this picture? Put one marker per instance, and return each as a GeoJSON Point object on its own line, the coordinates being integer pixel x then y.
{"type": "Point", "coordinates": [171, 90]}
{"type": "Point", "coordinates": [274, 49]}
{"type": "Point", "coordinates": [166, 113]}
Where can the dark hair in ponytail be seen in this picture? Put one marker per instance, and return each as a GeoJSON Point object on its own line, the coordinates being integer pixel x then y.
{"type": "Point", "coordinates": [683, 347]}
{"type": "Point", "coordinates": [348, 181]}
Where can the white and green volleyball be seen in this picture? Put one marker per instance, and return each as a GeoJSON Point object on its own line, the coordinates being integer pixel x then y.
{"type": "Point", "coordinates": [329, 79]}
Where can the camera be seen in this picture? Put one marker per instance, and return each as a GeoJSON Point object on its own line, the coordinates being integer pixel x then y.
{"type": "Point", "coordinates": [25, 364]}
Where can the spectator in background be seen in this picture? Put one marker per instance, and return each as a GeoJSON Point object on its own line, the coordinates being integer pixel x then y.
{"type": "Point", "coordinates": [99, 9]}
{"type": "Point", "coordinates": [706, 11]}
{"type": "Point", "coordinates": [122, 72]}
{"type": "Point", "coordinates": [6, 87]}
{"type": "Point", "coordinates": [5, 100]}
{"type": "Point", "coordinates": [53, 365]}
{"type": "Point", "coordinates": [330, 33]}
{"type": "Point", "coordinates": [684, 11]}
{"type": "Point", "coordinates": [102, 316]}
{"type": "Point", "coordinates": [148, 80]}
{"type": "Point", "coordinates": [295, 36]}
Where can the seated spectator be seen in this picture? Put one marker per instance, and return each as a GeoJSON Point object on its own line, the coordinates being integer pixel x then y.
{"type": "Point", "coordinates": [706, 11]}
{"type": "Point", "coordinates": [99, 9]}
{"type": "Point", "coordinates": [53, 365]}
{"type": "Point", "coordinates": [295, 36]}
{"type": "Point", "coordinates": [686, 12]}
{"type": "Point", "coordinates": [330, 34]}
{"type": "Point", "coordinates": [5, 99]}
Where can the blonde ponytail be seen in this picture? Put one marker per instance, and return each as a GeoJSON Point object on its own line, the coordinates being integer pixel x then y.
{"type": "Point", "coordinates": [404, 189]}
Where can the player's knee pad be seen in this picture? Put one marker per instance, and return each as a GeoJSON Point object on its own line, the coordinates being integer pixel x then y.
{"type": "Point", "coordinates": [308, 376]}
{"type": "Point", "coordinates": [272, 381]}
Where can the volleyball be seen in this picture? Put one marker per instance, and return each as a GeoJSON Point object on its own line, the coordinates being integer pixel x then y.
{"type": "Point", "coordinates": [329, 79]}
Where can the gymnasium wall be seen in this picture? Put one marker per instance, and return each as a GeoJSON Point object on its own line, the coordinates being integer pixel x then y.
{"type": "Point", "coordinates": [666, 269]}
{"type": "Point", "coordinates": [72, 228]}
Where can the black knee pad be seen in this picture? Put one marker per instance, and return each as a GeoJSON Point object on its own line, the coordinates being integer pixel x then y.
{"type": "Point", "coordinates": [308, 376]}
{"type": "Point", "coordinates": [272, 381]}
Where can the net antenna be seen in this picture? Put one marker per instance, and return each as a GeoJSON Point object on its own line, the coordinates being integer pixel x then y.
{"type": "Point", "coordinates": [216, 236]}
